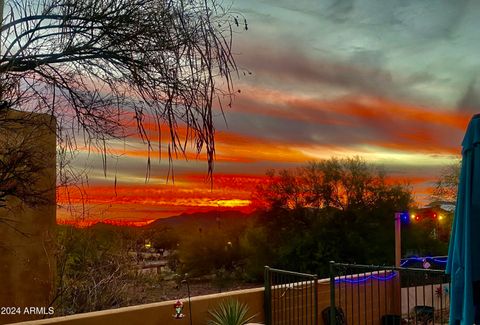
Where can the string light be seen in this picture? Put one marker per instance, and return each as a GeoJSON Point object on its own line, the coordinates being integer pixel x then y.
{"type": "Point", "coordinates": [411, 260]}
{"type": "Point", "coordinates": [364, 279]}
{"type": "Point", "coordinates": [393, 274]}
{"type": "Point", "coordinates": [443, 261]}
{"type": "Point", "coordinates": [420, 215]}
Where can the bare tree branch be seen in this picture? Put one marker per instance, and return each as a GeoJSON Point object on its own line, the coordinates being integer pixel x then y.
{"type": "Point", "coordinates": [98, 66]}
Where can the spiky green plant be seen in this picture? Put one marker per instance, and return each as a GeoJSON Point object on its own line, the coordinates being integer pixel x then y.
{"type": "Point", "coordinates": [230, 312]}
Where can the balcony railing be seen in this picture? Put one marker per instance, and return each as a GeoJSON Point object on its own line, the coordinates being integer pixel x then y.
{"type": "Point", "coordinates": [290, 297]}
{"type": "Point", "coordinates": [366, 294]}
{"type": "Point", "coordinates": [354, 294]}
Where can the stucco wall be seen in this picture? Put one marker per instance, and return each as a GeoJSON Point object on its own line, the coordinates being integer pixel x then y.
{"type": "Point", "coordinates": [162, 313]}
{"type": "Point", "coordinates": [27, 265]}
{"type": "Point", "coordinates": [373, 299]}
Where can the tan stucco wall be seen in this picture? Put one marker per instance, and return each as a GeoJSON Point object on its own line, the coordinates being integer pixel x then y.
{"type": "Point", "coordinates": [27, 265]}
{"type": "Point", "coordinates": [161, 313]}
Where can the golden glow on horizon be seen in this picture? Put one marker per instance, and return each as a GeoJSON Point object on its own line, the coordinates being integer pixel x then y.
{"type": "Point", "coordinates": [84, 223]}
{"type": "Point", "coordinates": [161, 200]}
{"type": "Point", "coordinates": [233, 203]}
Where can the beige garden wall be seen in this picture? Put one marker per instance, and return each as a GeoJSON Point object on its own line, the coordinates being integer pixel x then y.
{"type": "Point", "coordinates": [372, 309]}
{"type": "Point", "coordinates": [162, 313]}
{"type": "Point", "coordinates": [27, 264]}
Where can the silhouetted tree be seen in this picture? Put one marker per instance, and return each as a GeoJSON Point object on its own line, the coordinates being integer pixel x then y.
{"type": "Point", "coordinates": [19, 168]}
{"type": "Point", "coordinates": [343, 184]}
{"type": "Point", "coordinates": [26, 168]}
{"type": "Point", "coordinates": [335, 209]}
{"type": "Point", "coordinates": [446, 185]}
{"type": "Point", "coordinates": [109, 68]}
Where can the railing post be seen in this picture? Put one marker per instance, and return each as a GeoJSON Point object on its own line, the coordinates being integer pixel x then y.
{"type": "Point", "coordinates": [315, 300]}
{"type": "Point", "coordinates": [268, 297]}
{"type": "Point", "coordinates": [332, 293]}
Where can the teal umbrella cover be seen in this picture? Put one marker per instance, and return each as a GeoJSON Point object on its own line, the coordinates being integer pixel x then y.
{"type": "Point", "coordinates": [464, 250]}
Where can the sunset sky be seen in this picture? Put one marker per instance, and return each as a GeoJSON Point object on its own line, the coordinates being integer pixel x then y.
{"type": "Point", "coordinates": [393, 81]}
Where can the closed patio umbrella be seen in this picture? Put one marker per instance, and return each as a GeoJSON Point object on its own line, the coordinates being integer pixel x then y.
{"type": "Point", "coordinates": [464, 250]}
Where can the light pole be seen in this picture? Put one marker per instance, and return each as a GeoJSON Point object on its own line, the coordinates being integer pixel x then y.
{"type": "Point", "coordinates": [397, 304]}
{"type": "Point", "coordinates": [398, 238]}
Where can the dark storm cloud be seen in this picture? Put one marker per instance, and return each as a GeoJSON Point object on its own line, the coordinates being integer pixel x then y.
{"type": "Point", "coordinates": [417, 51]}
{"type": "Point", "coordinates": [363, 73]}
{"type": "Point", "coordinates": [294, 67]}
{"type": "Point", "coordinates": [470, 102]}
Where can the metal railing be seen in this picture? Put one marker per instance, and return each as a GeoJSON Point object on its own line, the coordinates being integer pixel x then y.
{"type": "Point", "coordinates": [290, 297]}
{"type": "Point", "coordinates": [367, 294]}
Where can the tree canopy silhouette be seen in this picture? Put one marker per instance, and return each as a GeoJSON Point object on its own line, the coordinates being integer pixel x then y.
{"type": "Point", "coordinates": [446, 185]}
{"type": "Point", "coordinates": [339, 209]}
{"type": "Point", "coordinates": [109, 68]}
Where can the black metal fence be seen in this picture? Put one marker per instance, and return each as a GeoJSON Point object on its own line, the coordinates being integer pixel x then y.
{"type": "Point", "coordinates": [290, 298]}
{"type": "Point", "coordinates": [366, 294]}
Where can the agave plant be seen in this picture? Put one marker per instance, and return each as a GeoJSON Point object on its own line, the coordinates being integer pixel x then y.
{"type": "Point", "coordinates": [230, 312]}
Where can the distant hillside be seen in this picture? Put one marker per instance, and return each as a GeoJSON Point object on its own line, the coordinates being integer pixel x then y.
{"type": "Point", "coordinates": [202, 219]}
{"type": "Point", "coordinates": [183, 222]}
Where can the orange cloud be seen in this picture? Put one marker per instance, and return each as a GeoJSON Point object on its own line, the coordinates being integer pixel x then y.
{"type": "Point", "coordinates": [376, 122]}
{"type": "Point", "coordinates": [160, 200]}
{"type": "Point", "coordinates": [229, 147]}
